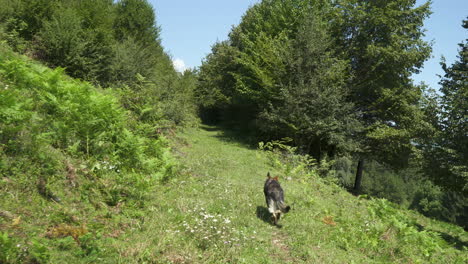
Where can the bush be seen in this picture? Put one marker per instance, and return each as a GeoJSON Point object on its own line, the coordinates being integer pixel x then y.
{"type": "Point", "coordinates": [57, 114]}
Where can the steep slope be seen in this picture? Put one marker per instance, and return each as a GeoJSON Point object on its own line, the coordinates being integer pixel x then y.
{"type": "Point", "coordinates": [73, 165]}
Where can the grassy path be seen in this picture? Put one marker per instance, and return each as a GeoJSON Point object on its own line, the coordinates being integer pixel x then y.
{"type": "Point", "coordinates": [215, 213]}
{"type": "Point", "coordinates": [230, 178]}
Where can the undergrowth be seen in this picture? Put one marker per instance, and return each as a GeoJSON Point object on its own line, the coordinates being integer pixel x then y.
{"type": "Point", "coordinates": [74, 164]}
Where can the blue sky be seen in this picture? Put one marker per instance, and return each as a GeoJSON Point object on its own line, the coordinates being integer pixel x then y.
{"type": "Point", "coordinates": [190, 28]}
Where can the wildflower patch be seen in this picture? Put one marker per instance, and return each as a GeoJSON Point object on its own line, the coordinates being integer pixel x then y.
{"type": "Point", "coordinates": [212, 230]}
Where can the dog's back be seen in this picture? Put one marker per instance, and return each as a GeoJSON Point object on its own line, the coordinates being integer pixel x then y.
{"type": "Point", "coordinates": [274, 197]}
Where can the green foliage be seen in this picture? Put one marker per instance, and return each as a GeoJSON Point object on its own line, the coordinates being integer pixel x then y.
{"type": "Point", "coordinates": [68, 115]}
{"type": "Point", "coordinates": [272, 17]}
{"type": "Point", "coordinates": [382, 40]}
{"type": "Point", "coordinates": [242, 76]}
{"type": "Point", "coordinates": [109, 43]}
{"type": "Point", "coordinates": [89, 244]}
{"type": "Point", "coordinates": [61, 40]}
{"type": "Point", "coordinates": [333, 76]}
{"type": "Point", "coordinates": [446, 157]}
{"type": "Point", "coordinates": [130, 61]}
{"type": "Point", "coordinates": [162, 108]}
{"type": "Point", "coordinates": [11, 251]}
{"type": "Point", "coordinates": [311, 105]}
{"type": "Point", "coordinates": [30, 13]}
{"type": "Point", "coordinates": [261, 69]}
{"type": "Point", "coordinates": [69, 40]}
{"type": "Point", "coordinates": [8, 250]}
{"type": "Point", "coordinates": [216, 82]}
{"type": "Point", "coordinates": [426, 242]}
{"type": "Point", "coordinates": [179, 104]}
{"type": "Point", "coordinates": [287, 161]}
{"type": "Point", "coordinates": [71, 149]}
{"type": "Point", "coordinates": [408, 188]}
{"type": "Point", "coordinates": [39, 252]}
{"type": "Point", "coordinates": [135, 18]}
{"type": "Point", "coordinates": [71, 116]}
{"type": "Point", "coordinates": [11, 31]}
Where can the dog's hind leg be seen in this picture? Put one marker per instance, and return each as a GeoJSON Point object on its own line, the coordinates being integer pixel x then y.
{"type": "Point", "coordinates": [272, 209]}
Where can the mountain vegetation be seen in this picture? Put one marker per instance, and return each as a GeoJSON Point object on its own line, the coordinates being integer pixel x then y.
{"type": "Point", "coordinates": [103, 157]}
{"type": "Point", "coordinates": [109, 44]}
{"type": "Point", "coordinates": [334, 78]}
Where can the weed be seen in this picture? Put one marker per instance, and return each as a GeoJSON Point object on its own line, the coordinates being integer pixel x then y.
{"type": "Point", "coordinates": [8, 249]}
{"type": "Point", "coordinates": [64, 230]}
{"type": "Point", "coordinates": [39, 252]}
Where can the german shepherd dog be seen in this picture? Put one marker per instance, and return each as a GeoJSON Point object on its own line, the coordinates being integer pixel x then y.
{"type": "Point", "coordinates": [275, 198]}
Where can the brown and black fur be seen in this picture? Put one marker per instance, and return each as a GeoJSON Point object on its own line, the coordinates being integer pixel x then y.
{"type": "Point", "coordinates": [274, 197]}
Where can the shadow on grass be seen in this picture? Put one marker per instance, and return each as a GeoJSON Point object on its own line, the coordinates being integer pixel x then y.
{"type": "Point", "coordinates": [210, 127]}
{"type": "Point", "coordinates": [264, 215]}
{"type": "Point", "coordinates": [454, 241]}
{"type": "Point", "coordinates": [231, 136]}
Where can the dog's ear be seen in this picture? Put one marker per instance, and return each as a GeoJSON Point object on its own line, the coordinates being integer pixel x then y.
{"type": "Point", "coordinates": [268, 175]}
{"type": "Point", "coordinates": [275, 178]}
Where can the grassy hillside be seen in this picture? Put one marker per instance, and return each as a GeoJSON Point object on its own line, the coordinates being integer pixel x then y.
{"type": "Point", "coordinates": [73, 165]}
{"type": "Point", "coordinates": [82, 182]}
{"type": "Point", "coordinates": [217, 214]}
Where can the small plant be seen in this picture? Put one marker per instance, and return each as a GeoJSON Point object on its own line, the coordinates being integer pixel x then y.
{"type": "Point", "coordinates": [89, 244]}
{"type": "Point", "coordinates": [389, 218]}
{"type": "Point", "coordinates": [64, 230]}
{"type": "Point", "coordinates": [39, 252]}
{"type": "Point", "coordinates": [8, 250]}
{"type": "Point", "coordinates": [285, 159]}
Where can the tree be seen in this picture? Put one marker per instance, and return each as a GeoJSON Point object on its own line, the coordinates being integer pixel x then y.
{"type": "Point", "coordinates": [383, 41]}
{"type": "Point", "coordinates": [253, 58]}
{"type": "Point", "coordinates": [312, 105]}
{"type": "Point", "coordinates": [447, 154]}
{"type": "Point", "coordinates": [136, 19]}
{"type": "Point", "coordinates": [139, 49]}
{"type": "Point", "coordinates": [216, 82]}
{"type": "Point", "coordinates": [79, 38]}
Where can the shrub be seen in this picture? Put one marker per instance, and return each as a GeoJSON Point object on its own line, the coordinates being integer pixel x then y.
{"type": "Point", "coordinates": [45, 112]}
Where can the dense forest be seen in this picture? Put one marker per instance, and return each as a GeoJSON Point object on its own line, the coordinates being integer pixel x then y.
{"type": "Point", "coordinates": [88, 91]}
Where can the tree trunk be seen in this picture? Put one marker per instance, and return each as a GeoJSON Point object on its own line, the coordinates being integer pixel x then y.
{"type": "Point", "coordinates": [357, 182]}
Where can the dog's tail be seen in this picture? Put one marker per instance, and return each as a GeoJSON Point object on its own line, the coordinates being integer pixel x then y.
{"type": "Point", "coordinates": [283, 207]}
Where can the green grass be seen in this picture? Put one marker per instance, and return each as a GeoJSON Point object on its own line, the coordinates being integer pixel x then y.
{"type": "Point", "coordinates": [214, 212]}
